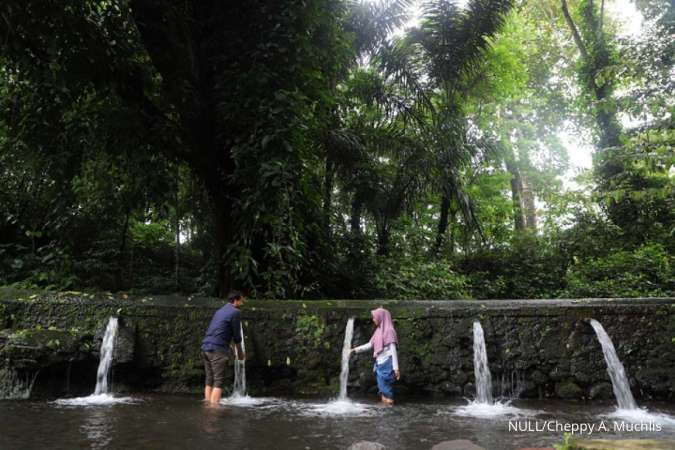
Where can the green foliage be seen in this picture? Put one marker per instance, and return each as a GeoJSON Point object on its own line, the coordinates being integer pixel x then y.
{"type": "Point", "coordinates": [530, 267]}
{"type": "Point", "coordinates": [151, 235]}
{"type": "Point", "coordinates": [310, 329]}
{"type": "Point", "coordinates": [411, 279]}
{"type": "Point", "coordinates": [647, 271]}
{"type": "Point", "coordinates": [566, 444]}
{"type": "Point", "coordinates": [302, 152]}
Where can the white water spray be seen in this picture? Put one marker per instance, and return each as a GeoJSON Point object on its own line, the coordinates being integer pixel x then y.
{"type": "Point", "coordinates": [342, 406]}
{"type": "Point", "coordinates": [101, 395]}
{"type": "Point", "coordinates": [344, 369]}
{"type": "Point", "coordinates": [480, 366]}
{"type": "Point", "coordinates": [484, 405]}
{"type": "Point", "coordinates": [239, 388]}
{"type": "Point", "coordinates": [617, 373]}
{"type": "Point", "coordinates": [104, 365]}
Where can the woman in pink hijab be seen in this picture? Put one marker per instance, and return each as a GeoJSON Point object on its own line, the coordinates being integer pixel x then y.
{"type": "Point", "coordinates": [383, 343]}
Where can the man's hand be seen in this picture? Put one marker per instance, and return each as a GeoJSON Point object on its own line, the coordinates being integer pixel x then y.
{"type": "Point", "coordinates": [397, 374]}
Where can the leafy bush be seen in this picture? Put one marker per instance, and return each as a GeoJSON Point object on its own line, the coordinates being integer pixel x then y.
{"type": "Point", "coordinates": [151, 235]}
{"type": "Point", "coordinates": [419, 279]}
{"type": "Point", "coordinates": [648, 271]}
{"type": "Point", "coordinates": [531, 267]}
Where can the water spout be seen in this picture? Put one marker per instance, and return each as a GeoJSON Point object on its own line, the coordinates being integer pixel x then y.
{"type": "Point", "coordinates": [102, 394]}
{"type": "Point", "coordinates": [104, 365]}
{"type": "Point", "coordinates": [239, 388]}
{"type": "Point", "coordinates": [344, 369]}
{"type": "Point", "coordinates": [617, 373]}
{"type": "Point", "coordinates": [480, 366]}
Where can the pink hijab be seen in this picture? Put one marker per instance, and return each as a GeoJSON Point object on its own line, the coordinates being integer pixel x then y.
{"type": "Point", "coordinates": [385, 333]}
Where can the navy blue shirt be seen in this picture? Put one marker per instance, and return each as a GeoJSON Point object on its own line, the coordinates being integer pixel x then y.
{"type": "Point", "coordinates": [224, 327]}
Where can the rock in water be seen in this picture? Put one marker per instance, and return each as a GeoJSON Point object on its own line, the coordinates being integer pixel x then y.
{"type": "Point", "coordinates": [457, 444]}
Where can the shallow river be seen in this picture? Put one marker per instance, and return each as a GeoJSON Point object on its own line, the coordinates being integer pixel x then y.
{"type": "Point", "coordinates": [183, 422]}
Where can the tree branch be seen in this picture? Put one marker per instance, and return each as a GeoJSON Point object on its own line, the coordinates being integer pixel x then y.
{"type": "Point", "coordinates": [575, 31]}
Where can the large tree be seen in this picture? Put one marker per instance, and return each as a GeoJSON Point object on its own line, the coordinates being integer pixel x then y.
{"type": "Point", "coordinates": [230, 89]}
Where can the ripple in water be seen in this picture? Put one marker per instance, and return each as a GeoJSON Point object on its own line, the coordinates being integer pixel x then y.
{"type": "Point", "coordinates": [95, 400]}
{"type": "Point", "coordinates": [488, 410]}
{"type": "Point", "coordinates": [642, 415]}
{"type": "Point", "coordinates": [245, 400]}
{"type": "Point", "coordinates": [344, 408]}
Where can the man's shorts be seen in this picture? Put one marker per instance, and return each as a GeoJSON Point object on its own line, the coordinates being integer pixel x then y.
{"type": "Point", "coordinates": [215, 364]}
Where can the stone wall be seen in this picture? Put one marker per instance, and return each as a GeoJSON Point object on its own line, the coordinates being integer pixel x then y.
{"type": "Point", "coordinates": [536, 348]}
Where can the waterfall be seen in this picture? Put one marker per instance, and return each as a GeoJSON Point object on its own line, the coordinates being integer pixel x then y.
{"type": "Point", "coordinates": [617, 374]}
{"type": "Point", "coordinates": [346, 347]}
{"type": "Point", "coordinates": [104, 365]}
{"type": "Point", "coordinates": [480, 366]}
{"type": "Point", "coordinates": [101, 395]}
{"type": "Point", "coordinates": [239, 388]}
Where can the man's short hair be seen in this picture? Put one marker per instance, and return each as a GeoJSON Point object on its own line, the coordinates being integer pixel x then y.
{"type": "Point", "coordinates": [234, 295]}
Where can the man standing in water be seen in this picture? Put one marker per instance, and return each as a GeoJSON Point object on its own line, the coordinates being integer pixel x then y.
{"type": "Point", "coordinates": [222, 338]}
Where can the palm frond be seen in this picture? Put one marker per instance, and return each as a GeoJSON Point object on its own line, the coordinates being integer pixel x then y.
{"type": "Point", "coordinates": [372, 22]}
{"type": "Point", "coordinates": [456, 38]}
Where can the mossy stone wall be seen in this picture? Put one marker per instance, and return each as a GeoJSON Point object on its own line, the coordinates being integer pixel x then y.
{"type": "Point", "coordinates": [536, 348]}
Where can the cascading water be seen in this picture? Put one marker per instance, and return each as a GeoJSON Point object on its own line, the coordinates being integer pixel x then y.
{"type": "Point", "coordinates": [344, 368]}
{"type": "Point", "coordinates": [239, 388]}
{"type": "Point", "coordinates": [480, 366]}
{"type": "Point", "coordinates": [239, 396]}
{"type": "Point", "coordinates": [102, 394]}
{"type": "Point", "coordinates": [484, 405]}
{"type": "Point", "coordinates": [342, 405]}
{"type": "Point", "coordinates": [617, 373]}
{"type": "Point", "coordinates": [104, 365]}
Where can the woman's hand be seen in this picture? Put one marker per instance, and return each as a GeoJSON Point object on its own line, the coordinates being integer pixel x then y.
{"type": "Point", "coordinates": [397, 374]}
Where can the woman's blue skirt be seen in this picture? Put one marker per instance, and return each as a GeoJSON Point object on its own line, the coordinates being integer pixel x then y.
{"type": "Point", "coordinates": [385, 378]}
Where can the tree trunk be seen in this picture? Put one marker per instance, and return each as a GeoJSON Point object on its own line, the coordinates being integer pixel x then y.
{"type": "Point", "coordinates": [328, 194]}
{"type": "Point", "coordinates": [452, 232]}
{"type": "Point", "coordinates": [355, 219]}
{"type": "Point", "coordinates": [177, 229]}
{"type": "Point", "coordinates": [383, 239]}
{"type": "Point", "coordinates": [529, 205]}
{"type": "Point", "coordinates": [123, 247]}
{"type": "Point", "coordinates": [605, 112]}
{"type": "Point", "coordinates": [442, 224]}
{"type": "Point", "coordinates": [516, 196]}
{"type": "Point", "coordinates": [222, 238]}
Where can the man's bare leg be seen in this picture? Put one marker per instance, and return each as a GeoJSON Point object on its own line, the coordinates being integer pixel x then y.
{"type": "Point", "coordinates": [207, 393]}
{"type": "Point", "coordinates": [216, 393]}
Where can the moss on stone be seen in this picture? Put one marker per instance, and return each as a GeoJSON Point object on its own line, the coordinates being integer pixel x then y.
{"type": "Point", "coordinates": [624, 444]}
{"type": "Point", "coordinates": [311, 329]}
{"type": "Point", "coordinates": [568, 390]}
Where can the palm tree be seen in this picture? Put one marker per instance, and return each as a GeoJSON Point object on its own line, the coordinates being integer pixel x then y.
{"type": "Point", "coordinates": [442, 57]}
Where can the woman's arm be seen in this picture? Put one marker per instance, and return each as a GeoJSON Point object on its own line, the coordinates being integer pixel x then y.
{"type": "Point", "coordinates": [362, 348]}
{"type": "Point", "coordinates": [394, 356]}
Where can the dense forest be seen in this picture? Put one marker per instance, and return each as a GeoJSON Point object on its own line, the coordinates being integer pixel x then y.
{"type": "Point", "coordinates": [338, 148]}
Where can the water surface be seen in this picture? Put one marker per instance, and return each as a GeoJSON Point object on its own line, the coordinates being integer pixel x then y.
{"type": "Point", "coordinates": [179, 422]}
